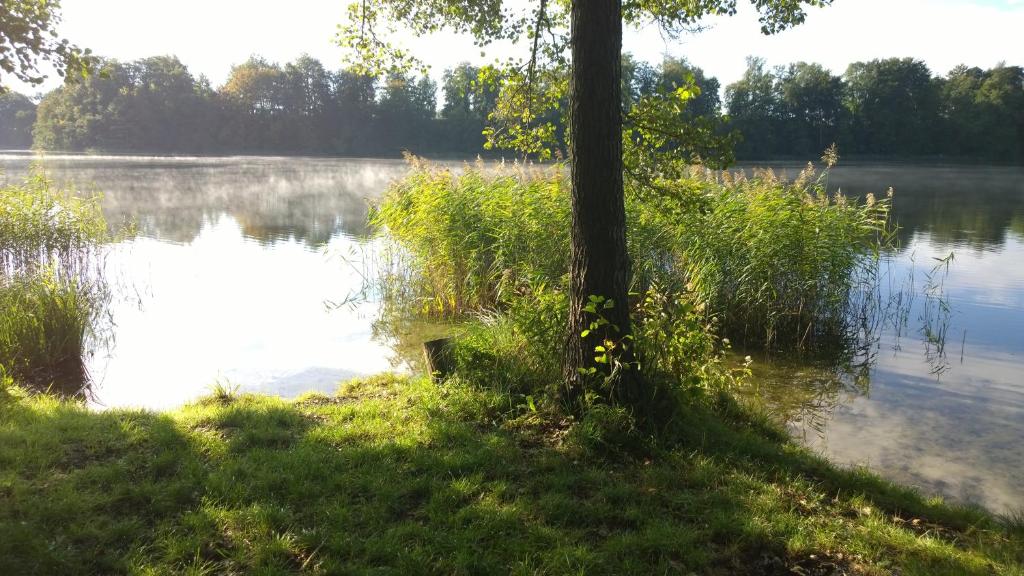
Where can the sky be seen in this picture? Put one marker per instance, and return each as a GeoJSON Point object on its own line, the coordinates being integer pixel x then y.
{"type": "Point", "coordinates": [211, 35]}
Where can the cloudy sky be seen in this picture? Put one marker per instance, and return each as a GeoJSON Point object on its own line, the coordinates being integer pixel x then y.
{"type": "Point", "coordinates": [211, 35]}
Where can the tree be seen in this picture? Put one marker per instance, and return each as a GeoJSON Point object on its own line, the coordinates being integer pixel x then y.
{"type": "Point", "coordinates": [469, 100]}
{"type": "Point", "coordinates": [93, 113]}
{"type": "Point", "coordinates": [962, 123]}
{"type": "Point", "coordinates": [406, 110]}
{"type": "Point", "coordinates": [892, 104]}
{"type": "Point", "coordinates": [355, 96]}
{"type": "Point", "coordinates": [163, 106]}
{"type": "Point", "coordinates": [677, 72]}
{"type": "Point", "coordinates": [308, 104]}
{"type": "Point", "coordinates": [152, 104]}
{"type": "Point", "coordinates": [600, 271]}
{"type": "Point", "coordinates": [28, 37]}
{"type": "Point", "coordinates": [1001, 101]}
{"type": "Point", "coordinates": [17, 114]}
{"type": "Point", "coordinates": [256, 90]}
{"type": "Point", "coordinates": [755, 109]}
{"type": "Point", "coordinates": [812, 106]}
{"type": "Point", "coordinates": [466, 96]}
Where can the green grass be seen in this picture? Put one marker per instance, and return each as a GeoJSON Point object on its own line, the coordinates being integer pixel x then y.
{"type": "Point", "coordinates": [401, 476]}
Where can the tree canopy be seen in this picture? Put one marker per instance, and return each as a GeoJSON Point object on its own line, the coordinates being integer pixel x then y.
{"type": "Point", "coordinates": [28, 37]}
{"type": "Point", "coordinates": [576, 50]}
{"type": "Point", "coordinates": [892, 108]}
{"type": "Point", "coordinates": [17, 115]}
{"type": "Point", "coordinates": [793, 111]}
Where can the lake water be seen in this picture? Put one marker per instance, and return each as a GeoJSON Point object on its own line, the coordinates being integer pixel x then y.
{"type": "Point", "coordinates": [232, 273]}
{"type": "Point", "coordinates": [949, 418]}
{"type": "Point", "coordinates": [237, 261]}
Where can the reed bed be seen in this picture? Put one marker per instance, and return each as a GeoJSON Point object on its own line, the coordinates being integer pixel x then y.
{"type": "Point", "coordinates": [51, 287]}
{"type": "Point", "coordinates": [768, 262]}
{"type": "Point", "coordinates": [777, 261]}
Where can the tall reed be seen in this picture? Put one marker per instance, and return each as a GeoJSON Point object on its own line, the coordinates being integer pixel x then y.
{"type": "Point", "coordinates": [468, 240]}
{"type": "Point", "coordinates": [773, 261]}
{"type": "Point", "coordinates": [777, 260]}
{"type": "Point", "coordinates": [51, 287]}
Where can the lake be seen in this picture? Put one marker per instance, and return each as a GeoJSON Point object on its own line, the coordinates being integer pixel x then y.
{"type": "Point", "coordinates": [238, 262]}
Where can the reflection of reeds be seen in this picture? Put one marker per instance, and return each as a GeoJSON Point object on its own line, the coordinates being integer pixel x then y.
{"type": "Point", "coordinates": [935, 316]}
{"type": "Point", "coordinates": [806, 394]}
{"type": "Point", "coordinates": [51, 291]}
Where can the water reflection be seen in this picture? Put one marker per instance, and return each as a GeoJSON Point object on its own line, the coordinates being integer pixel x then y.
{"type": "Point", "coordinates": [272, 199]}
{"type": "Point", "coordinates": [973, 207]}
{"type": "Point", "coordinates": [228, 277]}
{"type": "Point", "coordinates": [939, 400]}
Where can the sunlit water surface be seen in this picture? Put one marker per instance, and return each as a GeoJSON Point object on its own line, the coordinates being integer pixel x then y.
{"type": "Point", "coordinates": [946, 415]}
{"type": "Point", "coordinates": [233, 274]}
{"type": "Point", "coordinates": [237, 260]}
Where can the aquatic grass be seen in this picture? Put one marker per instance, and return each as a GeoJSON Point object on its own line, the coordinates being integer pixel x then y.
{"type": "Point", "coordinates": [774, 261]}
{"type": "Point", "coordinates": [778, 261]}
{"type": "Point", "coordinates": [45, 227]}
{"type": "Point", "coordinates": [469, 238]}
{"type": "Point", "coordinates": [397, 474]}
{"type": "Point", "coordinates": [52, 292]}
{"type": "Point", "coordinates": [44, 324]}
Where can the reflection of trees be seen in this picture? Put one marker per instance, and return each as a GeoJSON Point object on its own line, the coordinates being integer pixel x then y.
{"type": "Point", "coordinates": [955, 205]}
{"type": "Point", "coordinates": [272, 199]}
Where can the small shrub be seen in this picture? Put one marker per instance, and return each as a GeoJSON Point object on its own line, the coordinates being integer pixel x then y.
{"type": "Point", "coordinates": [677, 339]}
{"type": "Point", "coordinates": [603, 430]}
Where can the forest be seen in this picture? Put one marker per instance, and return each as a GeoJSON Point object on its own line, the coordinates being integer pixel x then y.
{"type": "Point", "coordinates": [891, 108]}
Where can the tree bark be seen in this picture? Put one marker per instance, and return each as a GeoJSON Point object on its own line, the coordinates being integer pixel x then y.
{"type": "Point", "coordinates": [599, 264]}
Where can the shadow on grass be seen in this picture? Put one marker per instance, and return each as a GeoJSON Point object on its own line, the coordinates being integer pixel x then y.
{"type": "Point", "coordinates": [404, 477]}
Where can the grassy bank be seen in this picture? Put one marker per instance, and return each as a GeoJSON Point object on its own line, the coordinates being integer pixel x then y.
{"type": "Point", "coordinates": [396, 475]}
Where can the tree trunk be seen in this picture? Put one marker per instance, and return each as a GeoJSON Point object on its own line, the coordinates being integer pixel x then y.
{"type": "Point", "coordinates": [600, 264]}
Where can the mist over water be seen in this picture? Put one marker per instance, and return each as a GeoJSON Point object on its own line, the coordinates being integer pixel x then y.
{"type": "Point", "coordinates": [231, 272]}
{"type": "Point", "coordinates": [236, 258]}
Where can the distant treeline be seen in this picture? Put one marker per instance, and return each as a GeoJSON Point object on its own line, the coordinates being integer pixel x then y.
{"type": "Point", "coordinates": [891, 108]}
